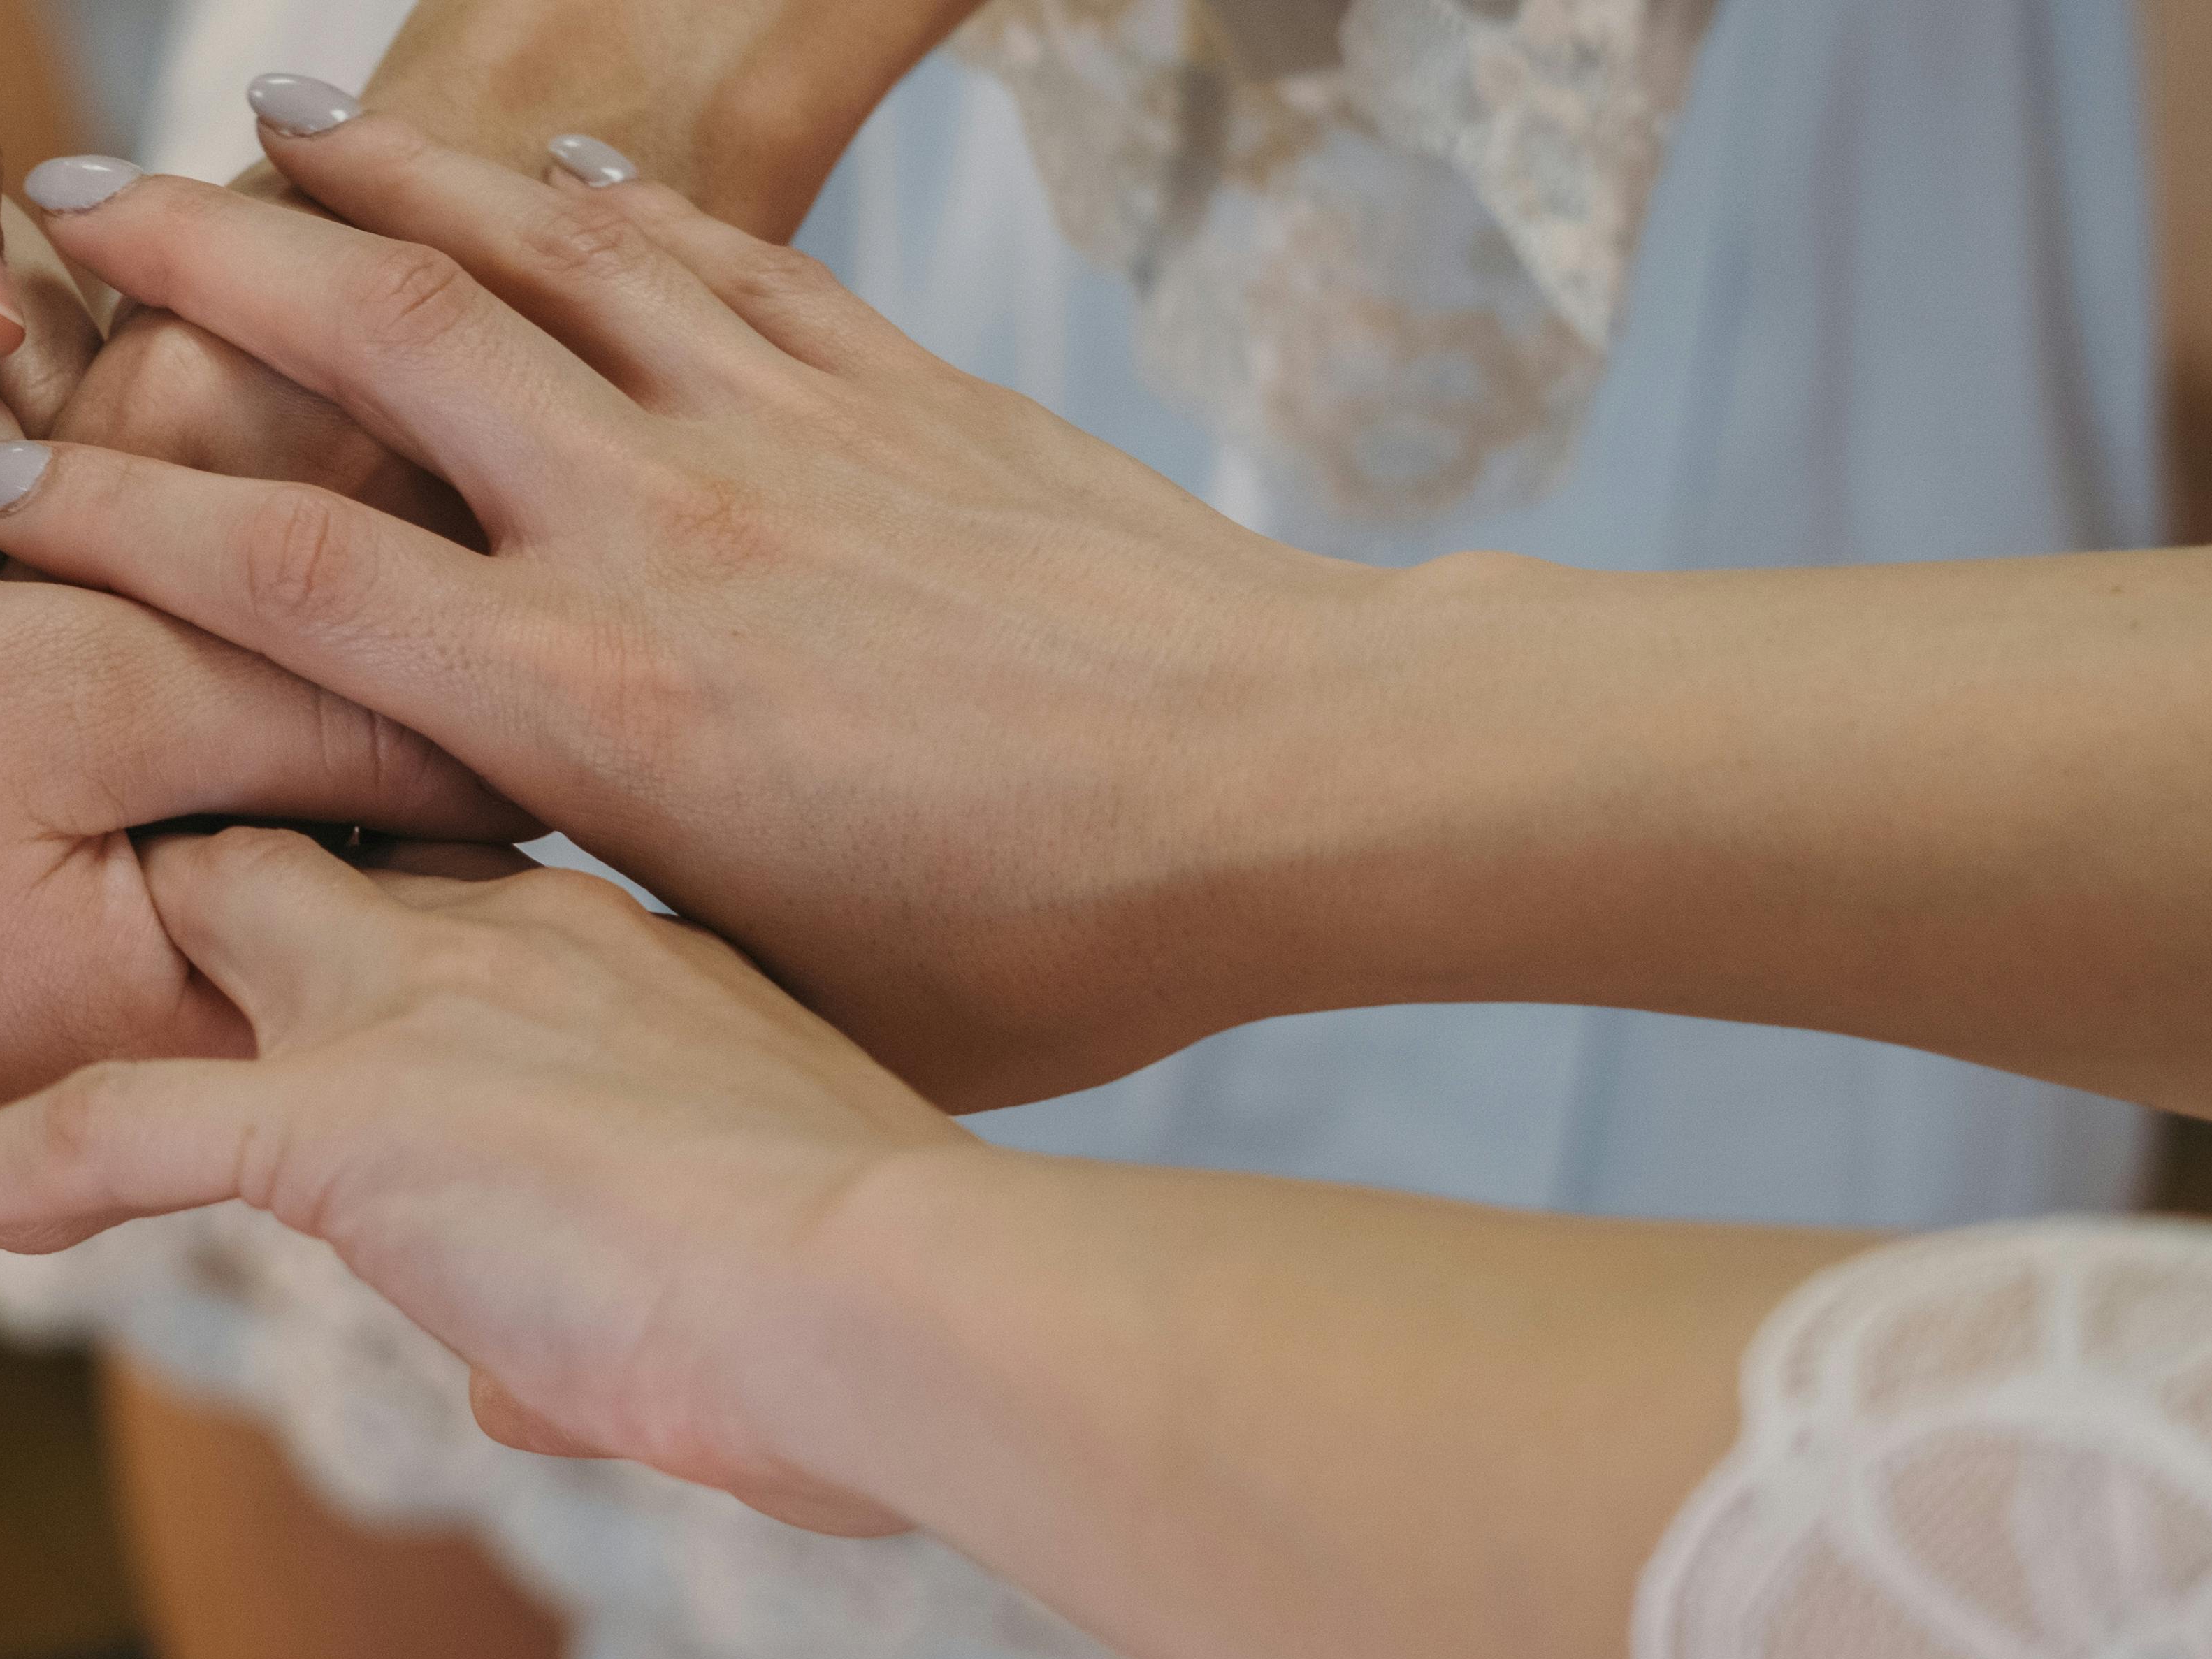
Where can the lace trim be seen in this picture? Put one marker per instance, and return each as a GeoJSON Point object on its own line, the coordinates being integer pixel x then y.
{"type": "Point", "coordinates": [1992, 1444]}
{"type": "Point", "coordinates": [1396, 275]}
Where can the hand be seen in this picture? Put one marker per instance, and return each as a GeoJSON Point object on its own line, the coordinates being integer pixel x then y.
{"type": "Point", "coordinates": [52, 338]}
{"type": "Point", "coordinates": [997, 749]}
{"type": "Point", "coordinates": [160, 387]}
{"type": "Point", "coordinates": [589, 1149]}
{"type": "Point", "coordinates": [111, 717]}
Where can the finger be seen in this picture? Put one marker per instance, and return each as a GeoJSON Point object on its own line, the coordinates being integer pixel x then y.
{"type": "Point", "coordinates": [296, 939]}
{"type": "Point", "coordinates": [792, 300]}
{"type": "Point", "coordinates": [37, 380]}
{"type": "Point", "coordinates": [398, 335]}
{"type": "Point", "coordinates": [118, 1141]}
{"type": "Point", "coordinates": [165, 389]}
{"type": "Point", "coordinates": [568, 262]}
{"type": "Point", "coordinates": [150, 720]}
{"type": "Point", "coordinates": [399, 865]}
{"type": "Point", "coordinates": [379, 611]}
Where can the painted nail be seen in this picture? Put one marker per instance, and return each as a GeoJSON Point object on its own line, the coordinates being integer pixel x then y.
{"type": "Point", "coordinates": [72, 184]}
{"type": "Point", "coordinates": [597, 164]}
{"type": "Point", "coordinates": [21, 466]}
{"type": "Point", "coordinates": [300, 107]}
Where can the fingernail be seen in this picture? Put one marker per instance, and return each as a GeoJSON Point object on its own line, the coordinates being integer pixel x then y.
{"type": "Point", "coordinates": [597, 163]}
{"type": "Point", "coordinates": [299, 105]}
{"type": "Point", "coordinates": [72, 184]}
{"type": "Point", "coordinates": [21, 466]}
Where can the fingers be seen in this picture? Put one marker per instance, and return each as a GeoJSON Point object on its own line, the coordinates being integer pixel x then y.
{"type": "Point", "coordinates": [398, 334]}
{"type": "Point", "coordinates": [295, 937]}
{"type": "Point", "coordinates": [406, 866]}
{"type": "Point", "coordinates": [165, 389]}
{"type": "Point", "coordinates": [790, 299]}
{"type": "Point", "coordinates": [569, 262]}
{"type": "Point", "coordinates": [60, 338]}
{"type": "Point", "coordinates": [117, 716]}
{"type": "Point", "coordinates": [379, 611]}
{"type": "Point", "coordinates": [118, 1141]}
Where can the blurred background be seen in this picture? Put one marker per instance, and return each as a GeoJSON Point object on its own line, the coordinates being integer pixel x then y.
{"type": "Point", "coordinates": [80, 75]}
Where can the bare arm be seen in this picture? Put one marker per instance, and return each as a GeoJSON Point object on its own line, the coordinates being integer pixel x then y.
{"type": "Point", "coordinates": [743, 106]}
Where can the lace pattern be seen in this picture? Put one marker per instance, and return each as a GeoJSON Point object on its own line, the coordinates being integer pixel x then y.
{"type": "Point", "coordinates": [1991, 1444]}
{"type": "Point", "coordinates": [1392, 278]}
{"type": "Point", "coordinates": [376, 1414]}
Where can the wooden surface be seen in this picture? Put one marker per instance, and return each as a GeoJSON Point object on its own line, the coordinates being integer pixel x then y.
{"type": "Point", "coordinates": [36, 118]}
{"type": "Point", "coordinates": [236, 1560]}
{"type": "Point", "coordinates": [62, 1587]}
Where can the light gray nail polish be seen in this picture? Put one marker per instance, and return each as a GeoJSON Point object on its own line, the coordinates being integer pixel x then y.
{"type": "Point", "coordinates": [597, 163]}
{"type": "Point", "coordinates": [71, 183]}
{"type": "Point", "coordinates": [21, 466]}
{"type": "Point", "coordinates": [300, 107]}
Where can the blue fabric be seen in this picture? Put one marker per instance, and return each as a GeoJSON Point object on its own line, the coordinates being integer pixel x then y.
{"type": "Point", "coordinates": [1894, 302]}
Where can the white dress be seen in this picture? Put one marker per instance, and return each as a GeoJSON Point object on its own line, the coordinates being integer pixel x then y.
{"type": "Point", "coordinates": [1893, 301]}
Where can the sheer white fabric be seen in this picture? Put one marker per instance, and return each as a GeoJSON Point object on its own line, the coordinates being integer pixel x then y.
{"type": "Point", "coordinates": [1991, 1444]}
{"type": "Point", "coordinates": [1393, 276]}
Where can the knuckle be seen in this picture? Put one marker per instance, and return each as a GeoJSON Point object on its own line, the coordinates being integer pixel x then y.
{"type": "Point", "coordinates": [300, 566]}
{"type": "Point", "coordinates": [775, 268]}
{"type": "Point", "coordinates": [248, 852]}
{"type": "Point", "coordinates": [72, 1126]}
{"type": "Point", "coordinates": [569, 895]}
{"type": "Point", "coordinates": [585, 239]}
{"type": "Point", "coordinates": [408, 298]}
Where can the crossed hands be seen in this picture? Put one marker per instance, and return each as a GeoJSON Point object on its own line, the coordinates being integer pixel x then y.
{"type": "Point", "coordinates": [962, 727]}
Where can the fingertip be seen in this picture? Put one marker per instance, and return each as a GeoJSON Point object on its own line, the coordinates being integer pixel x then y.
{"type": "Point", "coordinates": [23, 467]}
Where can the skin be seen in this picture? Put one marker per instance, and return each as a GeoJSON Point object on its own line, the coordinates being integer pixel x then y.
{"type": "Point", "coordinates": [667, 1214]}
{"type": "Point", "coordinates": [113, 716]}
{"type": "Point", "coordinates": [744, 105]}
{"type": "Point", "coordinates": [1024, 768]}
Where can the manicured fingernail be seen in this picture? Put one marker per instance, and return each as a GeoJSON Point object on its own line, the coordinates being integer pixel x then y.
{"type": "Point", "coordinates": [21, 466]}
{"type": "Point", "coordinates": [597, 163]}
{"type": "Point", "coordinates": [72, 184]}
{"type": "Point", "coordinates": [300, 107]}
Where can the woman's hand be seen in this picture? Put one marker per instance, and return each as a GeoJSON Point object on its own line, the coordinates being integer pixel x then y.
{"type": "Point", "coordinates": [665, 1213]}
{"type": "Point", "coordinates": [113, 717]}
{"type": "Point", "coordinates": [997, 749]}
{"type": "Point", "coordinates": [47, 337]}
{"type": "Point", "coordinates": [589, 1148]}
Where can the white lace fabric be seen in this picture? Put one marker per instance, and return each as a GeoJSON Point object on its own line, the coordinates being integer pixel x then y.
{"type": "Point", "coordinates": [1989, 1444]}
{"type": "Point", "coordinates": [228, 1303]}
{"type": "Point", "coordinates": [1393, 278]}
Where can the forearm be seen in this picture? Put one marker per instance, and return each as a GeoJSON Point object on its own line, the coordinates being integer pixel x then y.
{"type": "Point", "coordinates": [744, 105]}
{"type": "Point", "coordinates": [1209, 1415]}
{"type": "Point", "coordinates": [1964, 807]}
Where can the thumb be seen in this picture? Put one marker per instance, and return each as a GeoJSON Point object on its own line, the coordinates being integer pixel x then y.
{"type": "Point", "coordinates": [118, 1141]}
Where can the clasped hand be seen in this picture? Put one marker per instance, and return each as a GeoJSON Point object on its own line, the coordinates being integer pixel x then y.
{"type": "Point", "coordinates": [931, 705]}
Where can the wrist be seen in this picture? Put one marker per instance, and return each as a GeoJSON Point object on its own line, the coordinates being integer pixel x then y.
{"type": "Point", "coordinates": [1389, 834]}
{"type": "Point", "coordinates": [858, 1382]}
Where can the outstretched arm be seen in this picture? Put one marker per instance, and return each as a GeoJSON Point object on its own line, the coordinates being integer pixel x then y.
{"type": "Point", "coordinates": [1106, 772]}
{"type": "Point", "coordinates": [666, 1215]}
